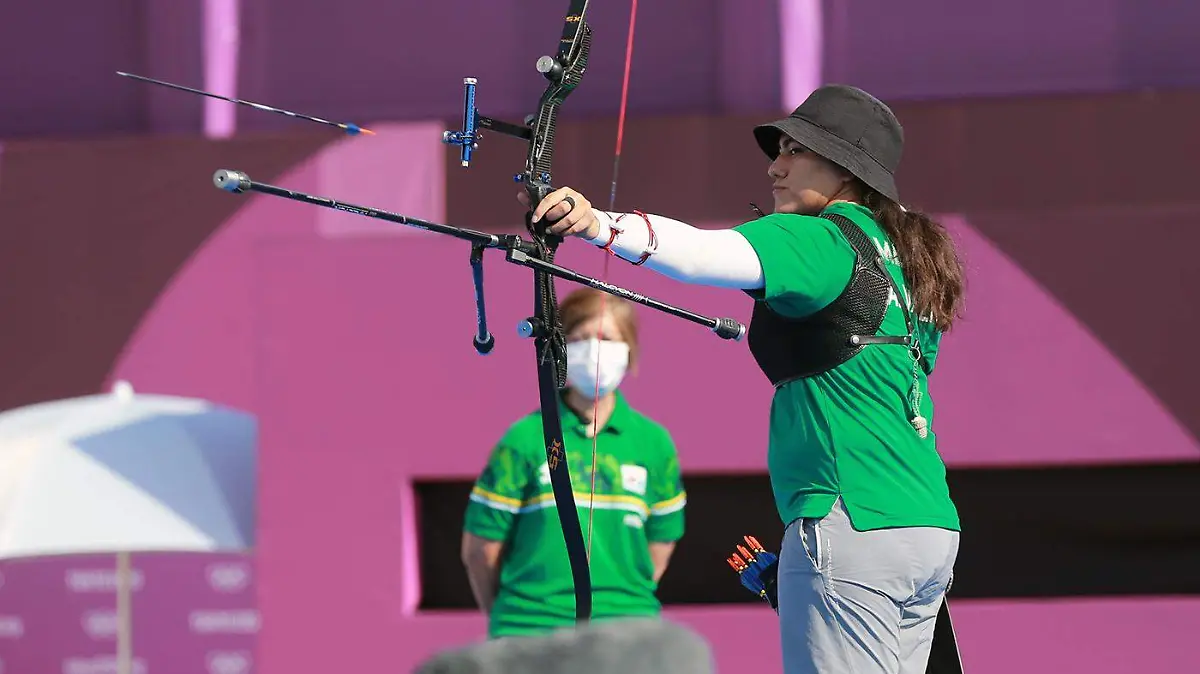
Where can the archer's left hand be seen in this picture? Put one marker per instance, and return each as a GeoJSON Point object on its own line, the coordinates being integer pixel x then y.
{"type": "Point", "coordinates": [567, 213]}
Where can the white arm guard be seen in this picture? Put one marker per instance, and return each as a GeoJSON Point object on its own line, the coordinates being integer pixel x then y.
{"type": "Point", "coordinates": [711, 257]}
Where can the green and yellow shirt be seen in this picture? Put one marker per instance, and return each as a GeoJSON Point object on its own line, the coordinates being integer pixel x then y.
{"type": "Point", "coordinates": [639, 499]}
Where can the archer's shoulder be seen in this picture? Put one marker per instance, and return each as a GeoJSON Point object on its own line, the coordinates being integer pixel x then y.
{"type": "Point", "coordinates": [785, 220]}
{"type": "Point", "coordinates": [777, 226]}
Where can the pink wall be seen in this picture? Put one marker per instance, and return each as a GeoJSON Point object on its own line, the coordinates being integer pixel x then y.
{"type": "Point", "coordinates": [350, 341]}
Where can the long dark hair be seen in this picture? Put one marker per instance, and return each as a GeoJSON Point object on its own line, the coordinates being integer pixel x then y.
{"type": "Point", "coordinates": [933, 271]}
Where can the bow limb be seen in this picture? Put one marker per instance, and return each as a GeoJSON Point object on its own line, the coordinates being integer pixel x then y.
{"type": "Point", "coordinates": [564, 71]}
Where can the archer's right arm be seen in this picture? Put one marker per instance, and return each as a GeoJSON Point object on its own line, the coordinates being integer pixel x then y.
{"type": "Point", "coordinates": [795, 263]}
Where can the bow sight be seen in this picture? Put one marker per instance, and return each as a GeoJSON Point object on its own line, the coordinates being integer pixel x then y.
{"type": "Point", "coordinates": [468, 138]}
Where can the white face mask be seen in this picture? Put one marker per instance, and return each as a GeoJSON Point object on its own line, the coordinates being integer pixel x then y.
{"type": "Point", "coordinates": [582, 359]}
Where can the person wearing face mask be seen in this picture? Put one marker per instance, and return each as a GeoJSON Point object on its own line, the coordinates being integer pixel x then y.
{"type": "Point", "coordinates": [512, 543]}
{"type": "Point", "coordinates": [852, 293]}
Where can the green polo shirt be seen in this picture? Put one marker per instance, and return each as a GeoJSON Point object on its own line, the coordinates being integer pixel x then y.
{"type": "Point", "coordinates": [639, 499]}
{"type": "Point", "coordinates": [847, 433]}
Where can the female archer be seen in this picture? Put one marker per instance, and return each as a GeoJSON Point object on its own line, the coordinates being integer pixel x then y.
{"type": "Point", "coordinates": [851, 296]}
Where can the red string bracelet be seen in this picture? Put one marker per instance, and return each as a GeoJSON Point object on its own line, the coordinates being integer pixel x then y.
{"type": "Point", "coordinates": [651, 244]}
{"type": "Point", "coordinates": [613, 232]}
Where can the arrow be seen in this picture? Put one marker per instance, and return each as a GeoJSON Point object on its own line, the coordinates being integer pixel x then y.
{"type": "Point", "coordinates": [351, 129]}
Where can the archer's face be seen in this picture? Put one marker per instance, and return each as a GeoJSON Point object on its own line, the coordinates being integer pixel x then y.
{"type": "Point", "coordinates": [803, 181]}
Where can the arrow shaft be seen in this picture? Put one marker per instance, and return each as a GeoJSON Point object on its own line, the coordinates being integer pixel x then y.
{"type": "Point", "coordinates": [349, 128]}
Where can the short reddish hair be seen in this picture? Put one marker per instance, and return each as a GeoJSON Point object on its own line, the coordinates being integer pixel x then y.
{"type": "Point", "coordinates": [585, 303]}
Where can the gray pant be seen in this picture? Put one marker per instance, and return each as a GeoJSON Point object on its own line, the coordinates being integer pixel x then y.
{"type": "Point", "coordinates": [860, 602]}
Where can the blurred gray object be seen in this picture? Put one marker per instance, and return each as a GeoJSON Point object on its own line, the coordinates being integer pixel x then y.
{"type": "Point", "coordinates": [635, 646]}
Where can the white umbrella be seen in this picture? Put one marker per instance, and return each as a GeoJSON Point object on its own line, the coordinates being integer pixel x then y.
{"type": "Point", "coordinates": [121, 473]}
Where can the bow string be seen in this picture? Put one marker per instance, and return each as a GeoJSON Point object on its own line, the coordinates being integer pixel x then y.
{"type": "Point", "coordinates": [612, 206]}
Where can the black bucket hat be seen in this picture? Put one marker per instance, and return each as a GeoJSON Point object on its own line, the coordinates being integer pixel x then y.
{"type": "Point", "coordinates": [847, 126]}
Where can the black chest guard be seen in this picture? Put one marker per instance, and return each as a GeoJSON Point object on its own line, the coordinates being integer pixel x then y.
{"type": "Point", "coordinates": [787, 349]}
